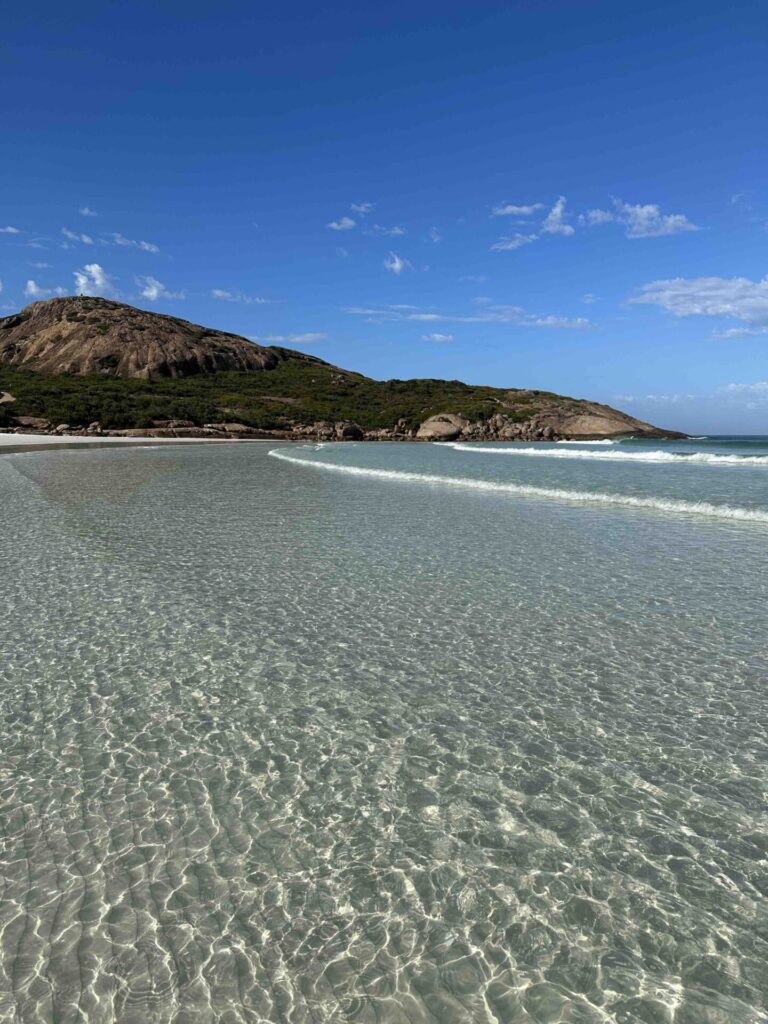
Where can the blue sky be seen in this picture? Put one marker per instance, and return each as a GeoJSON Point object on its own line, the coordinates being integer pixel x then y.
{"type": "Point", "coordinates": [549, 194]}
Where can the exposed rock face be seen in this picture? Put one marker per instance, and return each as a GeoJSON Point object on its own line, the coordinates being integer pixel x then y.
{"type": "Point", "coordinates": [83, 335]}
{"type": "Point", "coordinates": [555, 419]}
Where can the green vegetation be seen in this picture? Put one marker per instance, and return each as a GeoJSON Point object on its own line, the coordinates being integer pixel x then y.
{"type": "Point", "coordinates": [294, 392]}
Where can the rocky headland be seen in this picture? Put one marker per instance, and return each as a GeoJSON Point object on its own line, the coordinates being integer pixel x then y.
{"type": "Point", "coordinates": [88, 366]}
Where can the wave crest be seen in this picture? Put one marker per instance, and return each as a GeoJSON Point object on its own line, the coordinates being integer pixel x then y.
{"type": "Point", "coordinates": [674, 505]}
{"type": "Point", "coordinates": [678, 458]}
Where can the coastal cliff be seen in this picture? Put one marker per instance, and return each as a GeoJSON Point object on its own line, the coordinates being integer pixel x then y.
{"type": "Point", "coordinates": [86, 365]}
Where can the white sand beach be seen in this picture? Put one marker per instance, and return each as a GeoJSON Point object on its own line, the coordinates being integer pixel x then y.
{"type": "Point", "coordinates": [19, 441]}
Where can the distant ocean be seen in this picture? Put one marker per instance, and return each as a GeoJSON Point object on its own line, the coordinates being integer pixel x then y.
{"type": "Point", "coordinates": [388, 733]}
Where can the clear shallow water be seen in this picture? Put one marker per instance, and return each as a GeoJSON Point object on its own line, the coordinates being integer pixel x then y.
{"type": "Point", "coordinates": [282, 742]}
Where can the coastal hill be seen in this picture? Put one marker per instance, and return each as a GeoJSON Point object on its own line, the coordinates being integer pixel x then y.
{"type": "Point", "coordinates": [87, 364]}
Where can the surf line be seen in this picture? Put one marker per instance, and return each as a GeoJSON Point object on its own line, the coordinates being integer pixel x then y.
{"type": "Point", "coordinates": [674, 505]}
{"type": "Point", "coordinates": [669, 458]}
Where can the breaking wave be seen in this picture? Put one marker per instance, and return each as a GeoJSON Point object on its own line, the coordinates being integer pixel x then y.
{"type": "Point", "coordinates": [674, 505]}
{"type": "Point", "coordinates": [678, 458]}
{"type": "Point", "coordinates": [603, 441]}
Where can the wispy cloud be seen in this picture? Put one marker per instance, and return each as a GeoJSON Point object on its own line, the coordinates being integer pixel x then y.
{"type": "Point", "coordinates": [396, 230]}
{"type": "Point", "coordinates": [511, 210]}
{"type": "Point", "coordinates": [153, 290]}
{"type": "Point", "coordinates": [396, 264]}
{"type": "Point", "coordinates": [236, 296]}
{"type": "Point", "coordinates": [9, 230]}
{"type": "Point", "coordinates": [435, 235]}
{"type": "Point", "coordinates": [40, 266]}
{"type": "Point", "coordinates": [674, 398]}
{"type": "Point", "coordinates": [737, 297]}
{"type": "Point", "coordinates": [75, 236]}
{"type": "Point", "coordinates": [759, 388]}
{"type": "Point", "coordinates": [641, 220]}
{"type": "Point", "coordinates": [555, 223]}
{"type": "Point", "coordinates": [342, 224]}
{"type": "Point", "coordinates": [361, 208]}
{"type": "Point", "coordinates": [308, 338]}
{"type": "Point", "coordinates": [86, 211]}
{"type": "Point", "coordinates": [489, 314]}
{"type": "Point", "coordinates": [118, 239]}
{"type": "Point", "coordinates": [92, 279]}
{"type": "Point", "coordinates": [740, 332]}
{"type": "Point", "coordinates": [32, 290]}
{"type": "Point", "coordinates": [512, 242]}
{"type": "Point", "coordinates": [437, 337]}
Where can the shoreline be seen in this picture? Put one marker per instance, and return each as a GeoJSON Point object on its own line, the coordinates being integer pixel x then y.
{"type": "Point", "coordinates": [14, 444]}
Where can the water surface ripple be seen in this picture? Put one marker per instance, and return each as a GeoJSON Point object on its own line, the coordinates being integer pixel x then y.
{"type": "Point", "coordinates": [289, 746]}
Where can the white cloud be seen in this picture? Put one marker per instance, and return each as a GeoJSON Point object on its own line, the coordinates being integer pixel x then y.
{"type": "Point", "coordinates": [508, 244]}
{"type": "Point", "coordinates": [397, 264]}
{"type": "Point", "coordinates": [593, 217]}
{"type": "Point", "coordinates": [554, 223]}
{"type": "Point", "coordinates": [641, 220]}
{"type": "Point", "coordinates": [490, 314]}
{"type": "Point", "coordinates": [589, 298]}
{"type": "Point", "coordinates": [735, 297]}
{"type": "Point", "coordinates": [759, 388]}
{"type": "Point", "coordinates": [291, 339]}
{"type": "Point", "coordinates": [121, 240]}
{"type": "Point", "coordinates": [740, 332]}
{"type": "Point", "coordinates": [32, 290]}
{"type": "Point", "coordinates": [86, 211]}
{"type": "Point", "coordinates": [437, 337]}
{"type": "Point", "coordinates": [9, 231]}
{"type": "Point", "coordinates": [362, 208]}
{"type": "Point", "coordinates": [396, 230]}
{"type": "Point", "coordinates": [40, 266]}
{"type": "Point", "coordinates": [510, 210]}
{"type": "Point", "coordinates": [435, 235]}
{"type": "Point", "coordinates": [152, 289]}
{"type": "Point", "coordinates": [672, 399]}
{"type": "Point", "coordinates": [343, 224]}
{"type": "Point", "coordinates": [227, 296]}
{"type": "Point", "coordinates": [73, 236]}
{"type": "Point", "coordinates": [93, 280]}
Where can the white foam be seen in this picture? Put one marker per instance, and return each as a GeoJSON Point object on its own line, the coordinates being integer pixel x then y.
{"type": "Point", "coordinates": [604, 441]}
{"type": "Point", "coordinates": [678, 458]}
{"type": "Point", "coordinates": [674, 505]}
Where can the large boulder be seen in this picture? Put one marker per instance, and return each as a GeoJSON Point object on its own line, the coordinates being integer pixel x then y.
{"type": "Point", "coordinates": [348, 431]}
{"type": "Point", "coordinates": [33, 422]}
{"type": "Point", "coordinates": [446, 426]}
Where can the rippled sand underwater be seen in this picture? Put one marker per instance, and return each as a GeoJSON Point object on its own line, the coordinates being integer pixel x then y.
{"type": "Point", "coordinates": [281, 744]}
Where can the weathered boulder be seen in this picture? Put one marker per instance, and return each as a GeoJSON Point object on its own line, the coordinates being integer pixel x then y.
{"type": "Point", "coordinates": [348, 431]}
{"type": "Point", "coordinates": [33, 422]}
{"type": "Point", "coordinates": [446, 426]}
{"type": "Point", "coordinates": [323, 430]}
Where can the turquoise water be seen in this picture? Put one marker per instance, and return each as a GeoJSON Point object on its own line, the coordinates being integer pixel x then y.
{"type": "Point", "coordinates": [385, 733]}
